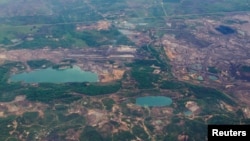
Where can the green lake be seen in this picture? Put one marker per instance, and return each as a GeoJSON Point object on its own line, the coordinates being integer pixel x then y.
{"type": "Point", "coordinates": [49, 75]}
{"type": "Point", "coordinates": [154, 101]}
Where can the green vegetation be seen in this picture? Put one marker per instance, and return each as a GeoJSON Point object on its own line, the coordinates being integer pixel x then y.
{"type": "Point", "coordinates": [139, 132]}
{"type": "Point", "coordinates": [28, 118]}
{"type": "Point", "coordinates": [90, 134]}
{"type": "Point", "coordinates": [45, 95]}
{"type": "Point", "coordinates": [245, 69]}
{"type": "Point", "coordinates": [37, 64]}
{"type": "Point", "coordinates": [8, 91]}
{"type": "Point", "coordinates": [95, 89]}
{"type": "Point", "coordinates": [171, 85]}
{"type": "Point", "coordinates": [182, 34]}
{"type": "Point", "coordinates": [53, 122]}
{"type": "Point", "coordinates": [213, 70]}
{"type": "Point", "coordinates": [97, 38]}
{"type": "Point", "coordinates": [142, 72]}
{"type": "Point", "coordinates": [200, 92]}
{"type": "Point", "coordinates": [159, 54]}
{"type": "Point", "coordinates": [68, 61]}
{"type": "Point", "coordinates": [206, 93]}
{"type": "Point", "coordinates": [172, 1]}
{"type": "Point", "coordinates": [57, 28]}
{"type": "Point", "coordinates": [62, 25]}
{"type": "Point", "coordinates": [110, 6]}
{"type": "Point", "coordinates": [222, 119]}
{"type": "Point", "coordinates": [48, 92]}
{"type": "Point", "coordinates": [144, 77]}
{"type": "Point", "coordinates": [108, 103]}
{"type": "Point", "coordinates": [41, 42]}
{"type": "Point", "coordinates": [12, 34]}
{"type": "Point", "coordinates": [74, 119]}
{"type": "Point", "coordinates": [59, 66]}
{"type": "Point", "coordinates": [4, 122]}
{"type": "Point", "coordinates": [123, 136]}
{"type": "Point", "coordinates": [143, 63]}
{"type": "Point", "coordinates": [66, 36]}
{"type": "Point", "coordinates": [204, 7]}
{"type": "Point", "coordinates": [197, 126]}
{"type": "Point", "coordinates": [66, 11]}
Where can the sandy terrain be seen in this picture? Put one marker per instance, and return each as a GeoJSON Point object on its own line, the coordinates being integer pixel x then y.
{"type": "Point", "coordinates": [115, 75]}
{"type": "Point", "coordinates": [19, 106]}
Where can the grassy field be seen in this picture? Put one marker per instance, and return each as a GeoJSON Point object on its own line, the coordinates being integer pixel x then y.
{"type": "Point", "coordinates": [67, 105]}
{"type": "Point", "coordinates": [9, 32]}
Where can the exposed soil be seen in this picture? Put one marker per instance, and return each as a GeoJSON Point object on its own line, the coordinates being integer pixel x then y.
{"type": "Point", "coordinates": [19, 106]}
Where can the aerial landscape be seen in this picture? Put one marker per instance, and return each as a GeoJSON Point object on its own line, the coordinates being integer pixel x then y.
{"type": "Point", "coordinates": [122, 70]}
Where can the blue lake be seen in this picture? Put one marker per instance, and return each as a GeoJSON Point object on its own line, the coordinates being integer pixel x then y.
{"type": "Point", "coordinates": [154, 101]}
{"type": "Point", "coordinates": [49, 75]}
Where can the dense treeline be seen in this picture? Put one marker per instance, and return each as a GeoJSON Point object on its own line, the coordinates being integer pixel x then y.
{"type": "Point", "coordinates": [140, 132]}
{"type": "Point", "coordinates": [108, 103]}
{"type": "Point", "coordinates": [96, 89]}
{"type": "Point", "coordinates": [200, 92]}
{"type": "Point", "coordinates": [145, 77]}
{"type": "Point", "coordinates": [36, 64]}
{"type": "Point", "coordinates": [45, 95]}
{"type": "Point", "coordinates": [90, 134]}
{"type": "Point", "coordinates": [142, 72]}
{"type": "Point", "coordinates": [48, 92]}
{"type": "Point", "coordinates": [5, 130]}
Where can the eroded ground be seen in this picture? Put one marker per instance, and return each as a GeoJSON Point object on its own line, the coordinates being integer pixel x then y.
{"type": "Point", "coordinates": [197, 51]}
{"type": "Point", "coordinates": [193, 57]}
{"type": "Point", "coordinates": [19, 106]}
{"type": "Point", "coordinates": [95, 60]}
